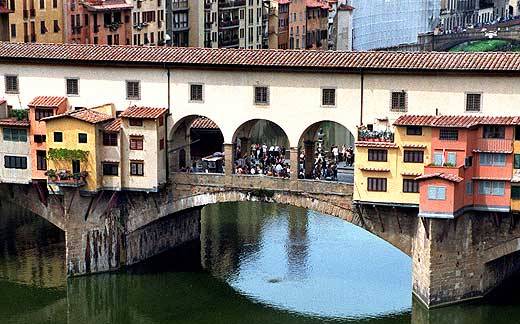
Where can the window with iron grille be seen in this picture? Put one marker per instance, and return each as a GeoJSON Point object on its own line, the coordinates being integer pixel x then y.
{"type": "Point", "coordinates": [398, 101]}
{"type": "Point", "coordinates": [72, 86]}
{"type": "Point", "coordinates": [494, 131]}
{"type": "Point", "coordinates": [11, 84]}
{"type": "Point", "coordinates": [473, 101]}
{"type": "Point", "coordinates": [377, 155]}
{"type": "Point", "coordinates": [328, 97]}
{"type": "Point", "coordinates": [196, 92]}
{"type": "Point", "coordinates": [413, 130]}
{"type": "Point", "coordinates": [41, 160]}
{"type": "Point", "coordinates": [110, 168]}
{"type": "Point", "coordinates": [133, 90]}
{"type": "Point", "coordinates": [15, 162]}
{"type": "Point", "coordinates": [261, 95]}
{"type": "Point", "coordinates": [41, 113]}
{"type": "Point", "coordinates": [413, 156]}
{"type": "Point", "coordinates": [137, 168]}
{"type": "Point", "coordinates": [448, 134]}
{"type": "Point", "coordinates": [136, 143]}
{"type": "Point", "coordinates": [376, 184]}
{"type": "Point", "coordinates": [110, 139]}
{"type": "Point", "coordinates": [410, 185]}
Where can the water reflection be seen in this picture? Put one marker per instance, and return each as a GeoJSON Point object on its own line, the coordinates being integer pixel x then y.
{"type": "Point", "coordinates": [256, 263]}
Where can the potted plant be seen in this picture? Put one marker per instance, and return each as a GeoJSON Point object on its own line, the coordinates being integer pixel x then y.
{"type": "Point", "coordinates": [51, 174]}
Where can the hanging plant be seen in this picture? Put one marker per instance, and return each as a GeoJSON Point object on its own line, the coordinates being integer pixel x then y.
{"type": "Point", "coordinates": [67, 155]}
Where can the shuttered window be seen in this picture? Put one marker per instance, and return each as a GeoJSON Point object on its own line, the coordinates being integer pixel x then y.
{"type": "Point", "coordinates": [376, 184]}
{"type": "Point", "coordinates": [72, 86]}
{"type": "Point", "coordinates": [261, 95]}
{"type": "Point", "coordinates": [413, 156]}
{"type": "Point", "coordinates": [410, 185]}
{"type": "Point", "coordinates": [377, 155]}
{"type": "Point", "coordinates": [136, 143]}
{"type": "Point", "coordinates": [15, 162]}
{"type": "Point", "coordinates": [133, 90]}
{"type": "Point", "coordinates": [11, 84]}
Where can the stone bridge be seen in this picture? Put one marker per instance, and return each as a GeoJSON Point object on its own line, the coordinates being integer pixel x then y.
{"type": "Point", "coordinates": [453, 260]}
{"type": "Point", "coordinates": [443, 43]}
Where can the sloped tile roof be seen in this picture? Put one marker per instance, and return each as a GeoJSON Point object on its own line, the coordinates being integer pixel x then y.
{"type": "Point", "coordinates": [107, 5]}
{"type": "Point", "coordinates": [265, 58]}
{"type": "Point", "coordinates": [377, 144]}
{"type": "Point", "coordinates": [203, 122]}
{"type": "Point", "coordinates": [14, 122]}
{"type": "Point", "coordinates": [113, 126]}
{"type": "Point", "coordinates": [86, 115]}
{"type": "Point", "coordinates": [462, 121]}
{"type": "Point", "coordinates": [143, 112]}
{"type": "Point", "coordinates": [445, 176]}
{"type": "Point", "coordinates": [2, 101]}
{"type": "Point", "coordinates": [410, 174]}
{"type": "Point", "coordinates": [47, 101]}
{"type": "Point", "coordinates": [374, 169]}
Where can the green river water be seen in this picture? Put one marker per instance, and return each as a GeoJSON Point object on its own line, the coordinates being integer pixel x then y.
{"type": "Point", "coordinates": [256, 263]}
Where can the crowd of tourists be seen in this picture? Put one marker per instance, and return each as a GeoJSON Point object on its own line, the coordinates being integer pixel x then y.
{"type": "Point", "coordinates": [263, 160]}
{"type": "Point", "coordinates": [325, 165]}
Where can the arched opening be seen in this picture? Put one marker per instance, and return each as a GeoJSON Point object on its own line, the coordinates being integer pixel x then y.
{"type": "Point", "coordinates": [260, 147]}
{"type": "Point", "coordinates": [326, 152]}
{"type": "Point", "coordinates": [196, 145]}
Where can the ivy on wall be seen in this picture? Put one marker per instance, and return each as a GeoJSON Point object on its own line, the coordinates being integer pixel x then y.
{"type": "Point", "coordinates": [63, 154]}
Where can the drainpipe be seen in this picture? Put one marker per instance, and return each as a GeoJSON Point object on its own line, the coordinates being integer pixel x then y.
{"type": "Point", "coordinates": [362, 86]}
{"type": "Point", "coordinates": [166, 128]}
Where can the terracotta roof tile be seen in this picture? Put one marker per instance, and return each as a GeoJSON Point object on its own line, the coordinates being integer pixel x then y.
{"type": "Point", "coordinates": [2, 101]}
{"type": "Point", "coordinates": [113, 126]}
{"type": "Point", "coordinates": [86, 115]}
{"type": "Point", "coordinates": [14, 122]}
{"type": "Point", "coordinates": [103, 5]}
{"type": "Point", "coordinates": [47, 101]}
{"type": "Point", "coordinates": [143, 112]}
{"type": "Point", "coordinates": [410, 174]}
{"type": "Point", "coordinates": [203, 122]}
{"type": "Point", "coordinates": [374, 169]}
{"type": "Point", "coordinates": [462, 121]}
{"type": "Point", "coordinates": [377, 144]}
{"type": "Point", "coordinates": [417, 146]}
{"type": "Point", "coordinates": [492, 178]}
{"type": "Point", "coordinates": [265, 58]}
{"type": "Point", "coordinates": [445, 176]}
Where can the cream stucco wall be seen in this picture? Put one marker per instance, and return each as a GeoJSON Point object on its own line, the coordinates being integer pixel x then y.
{"type": "Point", "coordinates": [295, 98]}
{"type": "Point", "coordinates": [14, 149]}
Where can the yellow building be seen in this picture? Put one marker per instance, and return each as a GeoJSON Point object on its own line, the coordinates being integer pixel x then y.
{"type": "Point", "coordinates": [74, 141]}
{"type": "Point", "coordinates": [387, 164]}
{"type": "Point", "coordinates": [36, 21]}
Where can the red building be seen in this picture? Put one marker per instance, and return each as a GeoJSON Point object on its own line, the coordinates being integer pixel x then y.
{"type": "Point", "coordinates": [471, 164]}
{"type": "Point", "coordinates": [98, 22]}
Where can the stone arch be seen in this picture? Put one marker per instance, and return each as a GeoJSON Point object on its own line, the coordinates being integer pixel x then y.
{"type": "Point", "coordinates": [192, 138]}
{"type": "Point", "coordinates": [250, 131]}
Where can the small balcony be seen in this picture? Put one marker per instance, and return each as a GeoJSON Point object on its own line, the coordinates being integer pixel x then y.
{"type": "Point", "coordinates": [65, 178]}
{"type": "Point", "coordinates": [181, 5]}
{"type": "Point", "coordinates": [366, 135]}
{"type": "Point", "coordinates": [234, 23]}
{"type": "Point", "coordinates": [228, 4]}
{"type": "Point", "coordinates": [227, 42]}
{"type": "Point", "coordinates": [494, 145]}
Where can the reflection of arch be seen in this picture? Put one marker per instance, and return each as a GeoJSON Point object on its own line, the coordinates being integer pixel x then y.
{"type": "Point", "coordinates": [192, 138]}
{"type": "Point", "coordinates": [260, 131]}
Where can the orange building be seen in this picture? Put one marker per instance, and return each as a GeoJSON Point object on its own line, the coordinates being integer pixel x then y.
{"type": "Point", "coordinates": [471, 164]}
{"type": "Point", "coordinates": [317, 24]}
{"type": "Point", "coordinates": [39, 108]}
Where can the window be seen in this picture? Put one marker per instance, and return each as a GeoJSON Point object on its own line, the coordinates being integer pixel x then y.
{"type": "Point", "coordinates": [55, 3]}
{"type": "Point", "coordinates": [41, 160]}
{"type": "Point", "coordinates": [492, 131]}
{"type": "Point", "coordinates": [41, 113]}
{"type": "Point", "coordinates": [413, 130]}
{"type": "Point", "coordinates": [473, 101]}
{"type": "Point", "coordinates": [43, 28]}
{"type": "Point", "coordinates": [13, 30]}
{"type": "Point", "coordinates": [377, 155]}
{"type": "Point", "coordinates": [58, 137]}
{"type": "Point", "coordinates": [448, 134]}
{"type": "Point", "coordinates": [42, 4]}
{"type": "Point", "coordinates": [492, 159]}
{"type": "Point", "coordinates": [110, 169]}
{"type": "Point", "coordinates": [413, 156]}
{"type": "Point", "coordinates": [469, 188]}
{"type": "Point", "coordinates": [261, 95]}
{"type": "Point", "coordinates": [410, 185]}
{"type": "Point", "coordinates": [398, 101]}
{"type": "Point", "coordinates": [468, 161]}
{"type": "Point", "coordinates": [72, 86]}
{"type": "Point", "coordinates": [517, 133]}
{"type": "Point", "coordinates": [161, 121]}
{"type": "Point", "coordinates": [11, 84]}
{"type": "Point", "coordinates": [137, 168]}
{"type": "Point", "coordinates": [376, 184]}
{"type": "Point", "coordinates": [136, 122]}
{"type": "Point", "coordinates": [110, 139]}
{"type": "Point", "coordinates": [436, 193]}
{"type": "Point", "coordinates": [517, 161]}
{"type": "Point", "coordinates": [57, 26]}
{"type": "Point", "coordinates": [451, 159]}
{"type": "Point", "coordinates": [515, 192]}
{"type": "Point", "coordinates": [136, 143]}
{"type": "Point", "coordinates": [196, 92]}
{"type": "Point", "coordinates": [15, 135]}
{"type": "Point", "coordinates": [438, 158]}
{"type": "Point", "coordinates": [161, 144]}
{"type": "Point", "coordinates": [328, 97]}
{"type": "Point", "coordinates": [82, 138]}
{"type": "Point", "coordinates": [15, 162]}
{"type": "Point", "coordinates": [40, 138]}
{"type": "Point", "coordinates": [133, 90]}
{"type": "Point", "coordinates": [493, 188]}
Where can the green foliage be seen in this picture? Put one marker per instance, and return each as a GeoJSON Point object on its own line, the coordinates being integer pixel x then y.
{"type": "Point", "coordinates": [491, 45]}
{"type": "Point", "coordinates": [67, 155]}
{"type": "Point", "coordinates": [20, 114]}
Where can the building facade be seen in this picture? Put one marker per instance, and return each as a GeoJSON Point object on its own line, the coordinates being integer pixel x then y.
{"type": "Point", "coordinates": [148, 22]}
{"type": "Point", "coordinates": [179, 22]}
{"type": "Point", "coordinates": [4, 21]}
